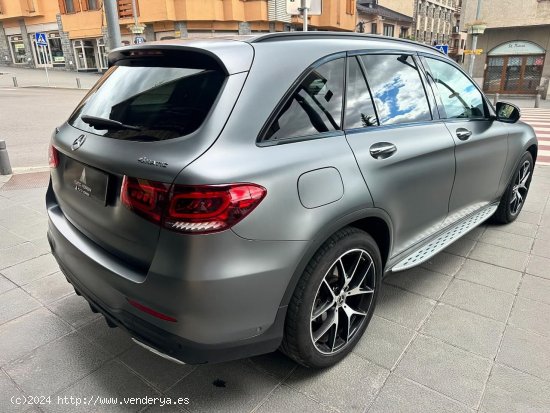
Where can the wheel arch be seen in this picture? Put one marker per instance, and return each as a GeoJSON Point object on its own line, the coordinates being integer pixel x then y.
{"type": "Point", "coordinates": [533, 150]}
{"type": "Point", "coordinates": [375, 221]}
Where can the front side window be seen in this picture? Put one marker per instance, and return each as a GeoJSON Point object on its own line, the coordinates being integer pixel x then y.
{"type": "Point", "coordinates": [314, 107]}
{"type": "Point", "coordinates": [397, 89]}
{"type": "Point", "coordinates": [460, 97]}
{"type": "Point", "coordinates": [359, 106]}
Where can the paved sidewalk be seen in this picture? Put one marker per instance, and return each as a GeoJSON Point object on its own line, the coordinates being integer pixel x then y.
{"type": "Point", "coordinates": [467, 331]}
{"type": "Point", "coordinates": [37, 77]}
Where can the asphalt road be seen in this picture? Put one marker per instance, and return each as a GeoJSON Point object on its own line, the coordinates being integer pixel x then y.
{"type": "Point", "coordinates": [27, 118]}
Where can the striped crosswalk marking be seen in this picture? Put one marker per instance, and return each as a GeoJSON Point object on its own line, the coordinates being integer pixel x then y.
{"type": "Point", "coordinates": [539, 119]}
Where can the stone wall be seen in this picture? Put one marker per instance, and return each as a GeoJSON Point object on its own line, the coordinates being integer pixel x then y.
{"type": "Point", "coordinates": [70, 63]}
{"type": "Point", "coordinates": [5, 55]}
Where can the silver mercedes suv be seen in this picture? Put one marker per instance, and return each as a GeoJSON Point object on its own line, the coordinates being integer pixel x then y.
{"type": "Point", "coordinates": [225, 198]}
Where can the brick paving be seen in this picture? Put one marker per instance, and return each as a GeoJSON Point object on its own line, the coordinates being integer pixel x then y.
{"type": "Point", "coordinates": [467, 331]}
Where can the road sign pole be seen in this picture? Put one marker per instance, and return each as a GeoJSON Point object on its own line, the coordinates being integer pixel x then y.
{"type": "Point", "coordinates": [303, 6]}
{"type": "Point", "coordinates": [44, 50]}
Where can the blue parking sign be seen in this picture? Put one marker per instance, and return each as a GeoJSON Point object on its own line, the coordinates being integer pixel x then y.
{"type": "Point", "coordinates": [41, 39]}
{"type": "Point", "coordinates": [443, 48]}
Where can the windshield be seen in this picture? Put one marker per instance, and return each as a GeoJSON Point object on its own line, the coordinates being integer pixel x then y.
{"type": "Point", "coordinates": [153, 103]}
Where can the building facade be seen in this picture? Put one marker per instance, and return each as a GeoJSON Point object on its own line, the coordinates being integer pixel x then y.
{"type": "Point", "coordinates": [373, 18]}
{"type": "Point", "coordinates": [433, 21]}
{"type": "Point", "coordinates": [76, 30]}
{"type": "Point", "coordinates": [515, 58]}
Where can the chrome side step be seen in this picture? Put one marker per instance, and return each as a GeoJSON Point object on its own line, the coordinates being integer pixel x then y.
{"type": "Point", "coordinates": [155, 351]}
{"type": "Point", "coordinates": [445, 239]}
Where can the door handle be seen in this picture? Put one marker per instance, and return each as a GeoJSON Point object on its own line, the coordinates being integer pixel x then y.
{"type": "Point", "coordinates": [463, 134]}
{"type": "Point", "coordinates": [382, 150]}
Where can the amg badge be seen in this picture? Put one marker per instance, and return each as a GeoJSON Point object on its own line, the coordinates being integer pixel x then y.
{"type": "Point", "coordinates": [148, 161]}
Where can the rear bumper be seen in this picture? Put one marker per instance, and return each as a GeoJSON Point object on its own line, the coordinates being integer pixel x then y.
{"type": "Point", "coordinates": [224, 291]}
{"type": "Point", "coordinates": [177, 347]}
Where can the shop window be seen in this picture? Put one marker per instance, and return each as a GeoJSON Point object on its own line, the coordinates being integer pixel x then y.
{"type": "Point", "coordinates": [374, 28]}
{"type": "Point", "coordinates": [17, 48]}
{"type": "Point", "coordinates": [388, 30]}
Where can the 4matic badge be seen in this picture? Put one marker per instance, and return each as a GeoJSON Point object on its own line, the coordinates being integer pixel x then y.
{"type": "Point", "coordinates": [148, 161]}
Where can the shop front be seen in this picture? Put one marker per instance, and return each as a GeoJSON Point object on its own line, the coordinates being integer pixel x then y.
{"type": "Point", "coordinates": [90, 55]}
{"type": "Point", "coordinates": [50, 55]}
{"type": "Point", "coordinates": [17, 49]}
{"type": "Point", "coordinates": [514, 68]}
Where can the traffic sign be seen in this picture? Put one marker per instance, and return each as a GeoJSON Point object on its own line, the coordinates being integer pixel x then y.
{"type": "Point", "coordinates": [41, 39]}
{"type": "Point", "coordinates": [315, 7]}
{"type": "Point", "coordinates": [139, 40]}
{"type": "Point", "coordinates": [443, 48]}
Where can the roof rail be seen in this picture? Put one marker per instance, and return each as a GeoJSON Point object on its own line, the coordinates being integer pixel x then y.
{"type": "Point", "coordinates": [285, 36]}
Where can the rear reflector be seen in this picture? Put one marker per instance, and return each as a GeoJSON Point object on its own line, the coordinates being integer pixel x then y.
{"type": "Point", "coordinates": [150, 311]}
{"type": "Point", "coordinates": [53, 157]}
{"type": "Point", "coordinates": [191, 209]}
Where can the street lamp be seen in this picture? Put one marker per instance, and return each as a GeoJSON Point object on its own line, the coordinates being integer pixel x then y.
{"type": "Point", "coordinates": [476, 29]}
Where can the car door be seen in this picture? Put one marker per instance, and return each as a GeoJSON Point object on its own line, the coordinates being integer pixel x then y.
{"type": "Point", "coordinates": [406, 158]}
{"type": "Point", "coordinates": [481, 143]}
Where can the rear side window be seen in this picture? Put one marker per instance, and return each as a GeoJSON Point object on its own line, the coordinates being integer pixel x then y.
{"type": "Point", "coordinates": [360, 111]}
{"type": "Point", "coordinates": [397, 89]}
{"type": "Point", "coordinates": [314, 107]}
{"type": "Point", "coordinates": [148, 103]}
{"type": "Point", "coordinates": [460, 97]}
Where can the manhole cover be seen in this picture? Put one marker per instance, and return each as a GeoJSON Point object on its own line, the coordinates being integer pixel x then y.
{"type": "Point", "coordinates": [27, 181]}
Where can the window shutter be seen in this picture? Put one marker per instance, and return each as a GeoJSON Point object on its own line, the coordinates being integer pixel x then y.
{"type": "Point", "coordinates": [76, 5]}
{"type": "Point", "coordinates": [62, 7]}
{"type": "Point", "coordinates": [84, 4]}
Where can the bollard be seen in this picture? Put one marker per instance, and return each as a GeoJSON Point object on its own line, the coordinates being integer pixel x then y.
{"type": "Point", "coordinates": [15, 84]}
{"type": "Point", "coordinates": [78, 85]}
{"type": "Point", "coordinates": [495, 99]}
{"type": "Point", "coordinates": [537, 100]}
{"type": "Point", "coordinates": [5, 167]}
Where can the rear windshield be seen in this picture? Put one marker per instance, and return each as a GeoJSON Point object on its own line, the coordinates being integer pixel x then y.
{"type": "Point", "coordinates": [148, 103]}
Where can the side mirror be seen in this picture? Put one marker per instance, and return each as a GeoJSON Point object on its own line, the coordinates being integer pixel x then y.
{"type": "Point", "coordinates": [507, 112]}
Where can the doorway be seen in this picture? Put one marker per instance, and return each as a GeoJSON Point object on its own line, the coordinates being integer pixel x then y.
{"type": "Point", "coordinates": [518, 71]}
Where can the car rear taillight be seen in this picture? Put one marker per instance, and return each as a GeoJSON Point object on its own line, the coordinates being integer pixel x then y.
{"type": "Point", "coordinates": [53, 156]}
{"type": "Point", "coordinates": [191, 209]}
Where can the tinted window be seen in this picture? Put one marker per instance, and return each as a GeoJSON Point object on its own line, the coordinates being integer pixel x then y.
{"type": "Point", "coordinates": [156, 102]}
{"type": "Point", "coordinates": [359, 107]}
{"type": "Point", "coordinates": [396, 87]}
{"type": "Point", "coordinates": [460, 98]}
{"type": "Point", "coordinates": [315, 107]}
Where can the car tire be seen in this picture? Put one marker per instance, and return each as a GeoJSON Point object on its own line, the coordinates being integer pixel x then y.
{"type": "Point", "coordinates": [338, 289]}
{"type": "Point", "coordinates": [513, 199]}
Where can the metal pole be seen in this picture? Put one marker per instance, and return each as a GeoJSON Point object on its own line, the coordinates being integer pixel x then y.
{"type": "Point", "coordinates": [474, 41]}
{"type": "Point", "coordinates": [495, 100]}
{"type": "Point", "coordinates": [78, 85]}
{"type": "Point", "coordinates": [45, 51]}
{"type": "Point", "coordinates": [111, 15]}
{"type": "Point", "coordinates": [135, 16]}
{"type": "Point", "coordinates": [5, 167]}
{"type": "Point", "coordinates": [472, 56]}
{"type": "Point", "coordinates": [537, 100]}
{"type": "Point", "coordinates": [15, 84]}
{"type": "Point", "coordinates": [303, 6]}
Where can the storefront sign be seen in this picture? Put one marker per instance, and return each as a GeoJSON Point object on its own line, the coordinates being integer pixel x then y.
{"type": "Point", "coordinates": [517, 48]}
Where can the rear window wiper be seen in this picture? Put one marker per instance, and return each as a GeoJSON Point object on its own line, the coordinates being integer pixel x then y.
{"type": "Point", "coordinates": [102, 123]}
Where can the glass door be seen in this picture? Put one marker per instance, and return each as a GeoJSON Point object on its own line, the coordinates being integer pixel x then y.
{"type": "Point", "coordinates": [42, 54]}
